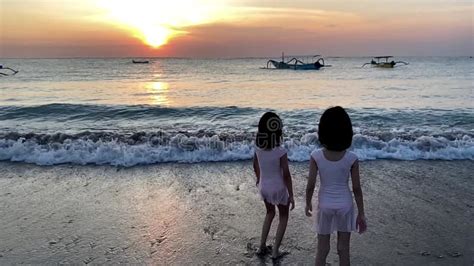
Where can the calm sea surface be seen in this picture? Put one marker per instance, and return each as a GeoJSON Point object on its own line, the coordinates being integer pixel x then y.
{"type": "Point", "coordinates": [110, 111]}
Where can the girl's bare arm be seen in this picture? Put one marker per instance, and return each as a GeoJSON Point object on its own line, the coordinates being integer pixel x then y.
{"type": "Point", "coordinates": [256, 168]}
{"type": "Point", "coordinates": [287, 178]}
{"type": "Point", "coordinates": [313, 173]}
{"type": "Point", "coordinates": [356, 189]}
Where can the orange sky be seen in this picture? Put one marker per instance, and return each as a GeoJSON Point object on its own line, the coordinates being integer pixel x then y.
{"type": "Point", "coordinates": [233, 28]}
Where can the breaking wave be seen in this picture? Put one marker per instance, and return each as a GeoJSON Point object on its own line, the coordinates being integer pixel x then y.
{"type": "Point", "coordinates": [157, 147]}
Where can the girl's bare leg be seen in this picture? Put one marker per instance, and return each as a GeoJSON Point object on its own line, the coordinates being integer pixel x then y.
{"type": "Point", "coordinates": [343, 241]}
{"type": "Point", "coordinates": [283, 215]}
{"type": "Point", "coordinates": [267, 223]}
{"type": "Point", "coordinates": [323, 249]}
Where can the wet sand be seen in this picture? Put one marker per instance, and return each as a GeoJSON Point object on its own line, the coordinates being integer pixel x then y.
{"type": "Point", "coordinates": [419, 212]}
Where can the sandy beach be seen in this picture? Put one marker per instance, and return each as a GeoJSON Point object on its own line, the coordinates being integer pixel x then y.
{"type": "Point", "coordinates": [419, 212]}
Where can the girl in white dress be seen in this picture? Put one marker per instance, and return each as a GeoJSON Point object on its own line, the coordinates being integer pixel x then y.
{"type": "Point", "coordinates": [335, 208]}
{"type": "Point", "coordinates": [270, 163]}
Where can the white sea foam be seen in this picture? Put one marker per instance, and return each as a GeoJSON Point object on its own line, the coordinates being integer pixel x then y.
{"type": "Point", "coordinates": [192, 149]}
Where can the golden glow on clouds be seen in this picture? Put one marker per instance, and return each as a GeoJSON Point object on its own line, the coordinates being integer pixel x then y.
{"type": "Point", "coordinates": [233, 28]}
{"type": "Point", "coordinates": [155, 22]}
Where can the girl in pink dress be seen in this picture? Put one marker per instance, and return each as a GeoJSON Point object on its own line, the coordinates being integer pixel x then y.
{"type": "Point", "coordinates": [270, 163]}
{"type": "Point", "coordinates": [335, 209]}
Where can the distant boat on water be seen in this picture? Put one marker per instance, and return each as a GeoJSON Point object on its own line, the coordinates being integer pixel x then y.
{"type": "Point", "coordinates": [140, 61]}
{"type": "Point", "coordinates": [296, 63]}
{"type": "Point", "coordinates": [377, 62]}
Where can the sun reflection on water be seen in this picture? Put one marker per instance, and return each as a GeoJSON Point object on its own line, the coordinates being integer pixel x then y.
{"type": "Point", "coordinates": [158, 92]}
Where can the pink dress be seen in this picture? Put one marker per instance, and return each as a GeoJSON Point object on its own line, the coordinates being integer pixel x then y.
{"type": "Point", "coordinates": [335, 211]}
{"type": "Point", "coordinates": [272, 186]}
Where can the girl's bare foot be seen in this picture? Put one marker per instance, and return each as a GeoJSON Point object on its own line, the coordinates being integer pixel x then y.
{"type": "Point", "coordinates": [262, 251]}
{"type": "Point", "coordinates": [276, 255]}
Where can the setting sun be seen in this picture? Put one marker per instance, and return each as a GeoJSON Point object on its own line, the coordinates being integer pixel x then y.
{"type": "Point", "coordinates": [156, 22]}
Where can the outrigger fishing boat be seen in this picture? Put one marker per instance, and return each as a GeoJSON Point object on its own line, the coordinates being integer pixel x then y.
{"type": "Point", "coordinates": [13, 71]}
{"type": "Point", "coordinates": [140, 61]}
{"type": "Point", "coordinates": [296, 63]}
{"type": "Point", "coordinates": [376, 62]}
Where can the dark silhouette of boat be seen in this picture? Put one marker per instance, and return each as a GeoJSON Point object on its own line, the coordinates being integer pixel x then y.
{"type": "Point", "coordinates": [296, 63]}
{"type": "Point", "coordinates": [376, 62]}
{"type": "Point", "coordinates": [140, 61]}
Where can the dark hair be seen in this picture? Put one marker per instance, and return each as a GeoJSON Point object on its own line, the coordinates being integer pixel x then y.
{"type": "Point", "coordinates": [269, 132]}
{"type": "Point", "coordinates": [335, 129]}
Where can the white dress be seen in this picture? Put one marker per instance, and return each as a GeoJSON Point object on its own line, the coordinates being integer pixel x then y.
{"type": "Point", "coordinates": [272, 187]}
{"type": "Point", "coordinates": [335, 208]}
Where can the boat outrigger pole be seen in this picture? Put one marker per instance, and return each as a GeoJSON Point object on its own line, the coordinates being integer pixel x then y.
{"type": "Point", "coordinates": [7, 68]}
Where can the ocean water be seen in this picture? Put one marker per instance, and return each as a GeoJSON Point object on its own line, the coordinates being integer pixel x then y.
{"type": "Point", "coordinates": [110, 111]}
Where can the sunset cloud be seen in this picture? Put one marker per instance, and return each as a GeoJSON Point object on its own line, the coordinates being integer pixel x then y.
{"type": "Point", "coordinates": [233, 28]}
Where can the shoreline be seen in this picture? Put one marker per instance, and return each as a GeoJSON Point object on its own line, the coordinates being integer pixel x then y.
{"type": "Point", "coordinates": [178, 213]}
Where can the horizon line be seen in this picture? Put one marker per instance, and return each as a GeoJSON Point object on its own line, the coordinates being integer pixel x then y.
{"type": "Point", "coordinates": [224, 58]}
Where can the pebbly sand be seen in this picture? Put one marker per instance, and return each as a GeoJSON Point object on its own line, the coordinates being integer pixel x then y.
{"type": "Point", "coordinates": [419, 212]}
